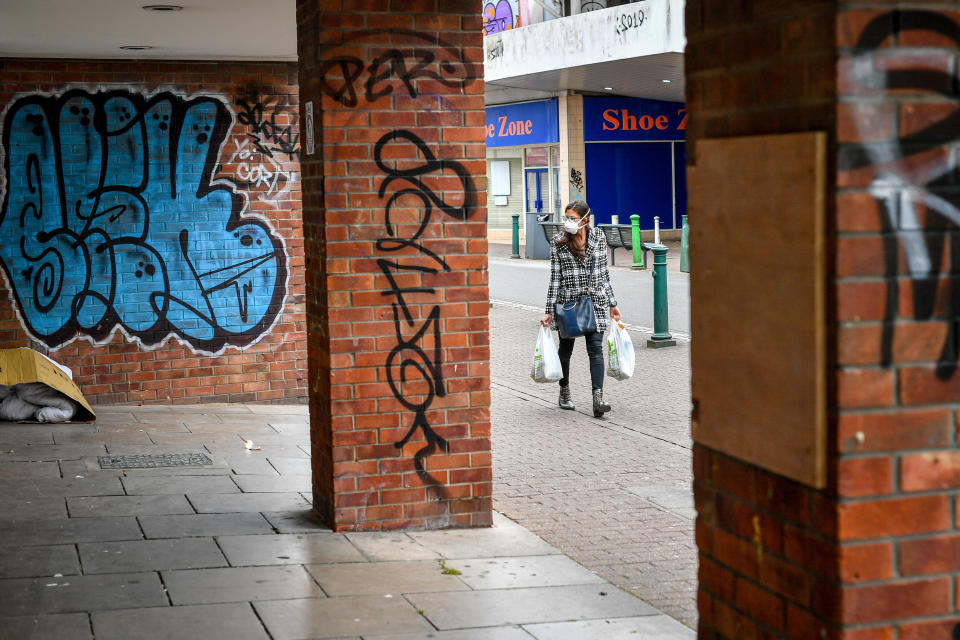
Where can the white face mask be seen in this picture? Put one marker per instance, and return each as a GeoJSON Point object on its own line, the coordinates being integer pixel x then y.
{"type": "Point", "coordinates": [572, 226]}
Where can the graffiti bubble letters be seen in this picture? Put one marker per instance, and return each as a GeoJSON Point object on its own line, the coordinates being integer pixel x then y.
{"type": "Point", "coordinates": [259, 173]}
{"type": "Point", "coordinates": [110, 221]}
{"type": "Point", "coordinates": [424, 57]}
{"type": "Point", "coordinates": [500, 17]}
{"type": "Point", "coordinates": [415, 372]}
{"type": "Point", "coordinates": [914, 178]}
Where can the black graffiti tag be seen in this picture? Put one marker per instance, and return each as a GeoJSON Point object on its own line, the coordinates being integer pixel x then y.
{"type": "Point", "coordinates": [408, 361]}
{"type": "Point", "coordinates": [433, 59]}
{"type": "Point", "coordinates": [906, 180]}
{"type": "Point", "coordinates": [266, 134]}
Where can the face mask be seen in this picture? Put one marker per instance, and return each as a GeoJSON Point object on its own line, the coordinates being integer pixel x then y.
{"type": "Point", "coordinates": [572, 226]}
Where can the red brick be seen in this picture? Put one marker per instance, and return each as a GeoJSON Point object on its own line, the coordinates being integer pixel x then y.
{"type": "Point", "coordinates": [922, 385]}
{"type": "Point", "coordinates": [900, 600]}
{"type": "Point", "coordinates": [864, 388]}
{"type": "Point", "coordinates": [928, 471]}
{"type": "Point", "coordinates": [761, 605]}
{"type": "Point", "coordinates": [930, 555]}
{"type": "Point", "coordinates": [895, 517]}
{"type": "Point", "coordinates": [864, 476]}
{"type": "Point", "coordinates": [932, 630]}
{"type": "Point", "coordinates": [893, 431]}
{"type": "Point", "coordinates": [865, 562]}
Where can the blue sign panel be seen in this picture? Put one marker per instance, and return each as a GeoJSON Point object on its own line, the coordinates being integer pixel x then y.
{"type": "Point", "coordinates": [628, 119]}
{"type": "Point", "coordinates": [527, 123]}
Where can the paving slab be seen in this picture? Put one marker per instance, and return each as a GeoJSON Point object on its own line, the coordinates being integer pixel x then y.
{"type": "Point", "coordinates": [196, 417]}
{"type": "Point", "coordinates": [233, 621]}
{"type": "Point", "coordinates": [677, 498]}
{"type": "Point", "coordinates": [249, 463]}
{"type": "Point", "coordinates": [288, 549]}
{"type": "Point", "coordinates": [94, 506]}
{"type": "Point", "coordinates": [150, 555]}
{"type": "Point", "coordinates": [339, 617]}
{"type": "Point", "coordinates": [191, 440]}
{"type": "Point", "coordinates": [248, 430]}
{"type": "Point", "coordinates": [68, 594]}
{"type": "Point", "coordinates": [64, 626]}
{"type": "Point", "coordinates": [658, 627]}
{"type": "Point", "coordinates": [33, 562]}
{"type": "Point", "coordinates": [267, 484]}
{"type": "Point", "coordinates": [385, 546]}
{"type": "Point", "coordinates": [526, 571]}
{"type": "Point", "coordinates": [494, 607]}
{"type": "Point", "coordinates": [299, 521]}
{"type": "Point", "coordinates": [280, 409]}
{"type": "Point", "coordinates": [379, 578]}
{"type": "Point", "coordinates": [100, 437]}
{"type": "Point", "coordinates": [474, 543]}
{"type": "Point", "coordinates": [95, 485]}
{"type": "Point", "coordinates": [30, 533]}
{"type": "Point", "coordinates": [28, 470]}
{"type": "Point", "coordinates": [291, 466]}
{"type": "Point", "coordinates": [152, 485]}
{"type": "Point", "coordinates": [14, 508]}
{"type": "Point", "coordinates": [52, 452]}
{"type": "Point", "coordinates": [237, 502]}
{"type": "Point", "coordinates": [266, 450]}
{"type": "Point", "coordinates": [486, 633]}
{"type": "Point", "coordinates": [240, 584]}
{"type": "Point", "coordinates": [203, 525]}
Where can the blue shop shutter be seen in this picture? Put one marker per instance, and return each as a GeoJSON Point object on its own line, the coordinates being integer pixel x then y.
{"type": "Point", "coordinates": [631, 178]}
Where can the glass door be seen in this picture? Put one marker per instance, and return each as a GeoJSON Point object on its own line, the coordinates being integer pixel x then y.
{"type": "Point", "coordinates": [536, 186]}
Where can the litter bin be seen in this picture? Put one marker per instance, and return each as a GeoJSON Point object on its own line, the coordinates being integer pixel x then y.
{"type": "Point", "coordinates": [537, 246]}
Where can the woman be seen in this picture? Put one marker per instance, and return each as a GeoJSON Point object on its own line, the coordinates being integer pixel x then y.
{"type": "Point", "coordinates": [572, 253]}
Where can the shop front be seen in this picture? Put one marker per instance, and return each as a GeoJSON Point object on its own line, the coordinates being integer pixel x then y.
{"type": "Point", "coordinates": [523, 164]}
{"type": "Point", "coordinates": [634, 159]}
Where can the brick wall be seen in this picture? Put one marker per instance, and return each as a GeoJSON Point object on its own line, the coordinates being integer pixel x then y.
{"type": "Point", "coordinates": [768, 562]}
{"type": "Point", "coordinates": [874, 555]}
{"type": "Point", "coordinates": [162, 252]}
{"type": "Point", "coordinates": [397, 299]}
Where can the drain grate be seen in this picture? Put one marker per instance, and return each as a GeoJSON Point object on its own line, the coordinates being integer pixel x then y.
{"type": "Point", "coordinates": [153, 461]}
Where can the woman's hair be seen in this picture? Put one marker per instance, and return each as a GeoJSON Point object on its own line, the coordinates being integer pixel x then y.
{"type": "Point", "coordinates": [578, 241]}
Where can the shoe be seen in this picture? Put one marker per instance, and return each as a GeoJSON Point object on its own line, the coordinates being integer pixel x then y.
{"type": "Point", "coordinates": [565, 401]}
{"type": "Point", "coordinates": [599, 406]}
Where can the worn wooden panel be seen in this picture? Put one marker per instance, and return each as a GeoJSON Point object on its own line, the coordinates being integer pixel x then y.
{"type": "Point", "coordinates": [757, 301]}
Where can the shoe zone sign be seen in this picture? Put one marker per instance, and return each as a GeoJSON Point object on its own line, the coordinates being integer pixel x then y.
{"type": "Point", "coordinates": [633, 119]}
{"type": "Point", "coordinates": [526, 123]}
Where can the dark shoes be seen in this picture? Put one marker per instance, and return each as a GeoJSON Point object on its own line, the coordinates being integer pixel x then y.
{"type": "Point", "coordinates": [599, 406]}
{"type": "Point", "coordinates": [565, 401]}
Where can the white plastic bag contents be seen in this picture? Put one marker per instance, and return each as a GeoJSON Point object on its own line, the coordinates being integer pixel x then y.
{"type": "Point", "coordinates": [620, 355]}
{"type": "Point", "coordinates": [546, 362]}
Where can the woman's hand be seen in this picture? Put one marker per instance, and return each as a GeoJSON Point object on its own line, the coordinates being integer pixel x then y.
{"type": "Point", "coordinates": [615, 314]}
{"type": "Point", "coordinates": [545, 320]}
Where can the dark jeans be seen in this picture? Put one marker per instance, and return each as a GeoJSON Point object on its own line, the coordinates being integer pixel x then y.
{"type": "Point", "coordinates": [594, 351]}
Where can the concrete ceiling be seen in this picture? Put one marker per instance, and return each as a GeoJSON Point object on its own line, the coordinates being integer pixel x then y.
{"type": "Point", "coordinates": [203, 30]}
{"type": "Point", "coordinates": [638, 77]}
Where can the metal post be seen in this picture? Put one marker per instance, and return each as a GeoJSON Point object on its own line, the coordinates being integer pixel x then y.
{"type": "Point", "coordinates": [656, 229]}
{"type": "Point", "coordinates": [637, 249]}
{"type": "Point", "coordinates": [685, 246]}
{"type": "Point", "coordinates": [516, 235]}
{"type": "Point", "coordinates": [661, 330]}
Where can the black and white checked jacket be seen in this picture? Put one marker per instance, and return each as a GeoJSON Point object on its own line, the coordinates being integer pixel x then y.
{"type": "Point", "coordinates": [569, 275]}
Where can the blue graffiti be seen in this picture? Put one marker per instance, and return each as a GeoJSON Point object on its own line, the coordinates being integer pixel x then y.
{"type": "Point", "coordinates": [111, 220]}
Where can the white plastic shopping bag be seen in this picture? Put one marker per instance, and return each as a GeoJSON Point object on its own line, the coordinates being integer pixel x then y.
{"type": "Point", "coordinates": [546, 362]}
{"type": "Point", "coordinates": [620, 355]}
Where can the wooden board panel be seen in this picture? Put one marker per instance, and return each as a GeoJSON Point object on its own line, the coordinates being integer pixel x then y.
{"type": "Point", "coordinates": [757, 285]}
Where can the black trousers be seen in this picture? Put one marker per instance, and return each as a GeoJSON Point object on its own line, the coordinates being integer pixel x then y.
{"type": "Point", "coordinates": [595, 353]}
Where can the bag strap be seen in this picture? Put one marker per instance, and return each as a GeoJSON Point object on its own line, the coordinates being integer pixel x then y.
{"type": "Point", "coordinates": [593, 263]}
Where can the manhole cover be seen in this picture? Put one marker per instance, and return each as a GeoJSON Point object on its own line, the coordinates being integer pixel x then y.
{"type": "Point", "coordinates": [157, 460]}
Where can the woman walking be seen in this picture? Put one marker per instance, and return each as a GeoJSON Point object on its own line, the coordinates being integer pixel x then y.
{"type": "Point", "coordinates": [578, 267]}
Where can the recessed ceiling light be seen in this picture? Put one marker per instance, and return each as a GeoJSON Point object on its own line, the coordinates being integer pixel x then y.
{"type": "Point", "coordinates": [608, 88]}
{"type": "Point", "coordinates": [162, 7]}
{"type": "Point", "coordinates": [136, 47]}
{"type": "Point", "coordinates": [668, 81]}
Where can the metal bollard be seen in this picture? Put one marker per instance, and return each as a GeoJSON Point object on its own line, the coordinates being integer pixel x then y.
{"type": "Point", "coordinates": [516, 236]}
{"type": "Point", "coordinates": [661, 326]}
{"type": "Point", "coordinates": [637, 249]}
{"type": "Point", "coordinates": [685, 246]}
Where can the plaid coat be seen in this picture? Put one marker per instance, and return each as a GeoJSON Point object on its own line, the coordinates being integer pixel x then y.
{"type": "Point", "coordinates": [569, 275]}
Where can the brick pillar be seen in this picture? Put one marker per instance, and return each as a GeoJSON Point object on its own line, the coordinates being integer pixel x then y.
{"type": "Point", "coordinates": [396, 253]}
{"type": "Point", "coordinates": [875, 554]}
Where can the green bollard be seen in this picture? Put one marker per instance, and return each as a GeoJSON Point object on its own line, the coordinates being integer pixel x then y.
{"type": "Point", "coordinates": [685, 246]}
{"type": "Point", "coordinates": [661, 327]}
{"type": "Point", "coordinates": [516, 236]}
{"type": "Point", "coordinates": [637, 248]}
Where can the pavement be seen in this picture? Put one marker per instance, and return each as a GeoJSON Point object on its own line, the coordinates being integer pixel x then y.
{"type": "Point", "coordinates": [593, 539]}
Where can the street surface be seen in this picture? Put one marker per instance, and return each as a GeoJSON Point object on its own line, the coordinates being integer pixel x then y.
{"type": "Point", "coordinates": [612, 493]}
